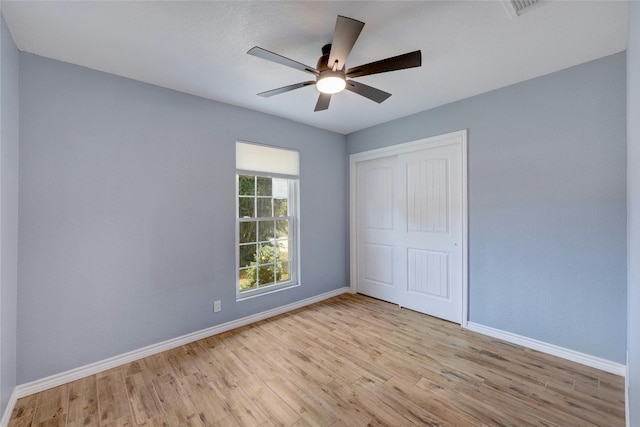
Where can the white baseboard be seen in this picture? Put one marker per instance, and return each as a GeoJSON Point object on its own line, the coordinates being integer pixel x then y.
{"type": "Point", "coordinates": [37, 386]}
{"type": "Point", "coordinates": [554, 350]}
{"type": "Point", "coordinates": [626, 393]}
{"type": "Point", "coordinates": [4, 422]}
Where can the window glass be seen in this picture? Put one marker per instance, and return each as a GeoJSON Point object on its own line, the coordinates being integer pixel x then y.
{"type": "Point", "coordinates": [265, 235]}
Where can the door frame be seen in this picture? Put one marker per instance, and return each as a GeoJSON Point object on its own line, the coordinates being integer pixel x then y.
{"type": "Point", "coordinates": [458, 137]}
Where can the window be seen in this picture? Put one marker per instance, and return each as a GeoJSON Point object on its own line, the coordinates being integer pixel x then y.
{"type": "Point", "coordinates": [266, 219]}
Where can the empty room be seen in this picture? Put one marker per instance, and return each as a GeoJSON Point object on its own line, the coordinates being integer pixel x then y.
{"type": "Point", "coordinates": [320, 213]}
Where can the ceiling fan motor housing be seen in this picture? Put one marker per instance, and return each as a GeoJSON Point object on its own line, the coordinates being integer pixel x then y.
{"type": "Point", "coordinates": [323, 62]}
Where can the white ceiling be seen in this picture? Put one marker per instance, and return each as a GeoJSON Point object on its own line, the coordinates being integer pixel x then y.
{"type": "Point", "coordinates": [199, 47]}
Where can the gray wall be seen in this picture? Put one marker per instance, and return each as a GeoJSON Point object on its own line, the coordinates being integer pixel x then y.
{"type": "Point", "coordinates": [633, 213]}
{"type": "Point", "coordinates": [127, 211]}
{"type": "Point", "coordinates": [547, 214]}
{"type": "Point", "coordinates": [8, 212]}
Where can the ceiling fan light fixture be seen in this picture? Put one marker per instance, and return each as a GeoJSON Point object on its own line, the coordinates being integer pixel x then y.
{"type": "Point", "coordinates": [331, 72]}
{"type": "Point", "coordinates": [331, 82]}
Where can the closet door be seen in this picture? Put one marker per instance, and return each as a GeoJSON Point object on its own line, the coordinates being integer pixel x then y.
{"type": "Point", "coordinates": [429, 232]}
{"type": "Point", "coordinates": [410, 225]}
{"type": "Point", "coordinates": [376, 205]}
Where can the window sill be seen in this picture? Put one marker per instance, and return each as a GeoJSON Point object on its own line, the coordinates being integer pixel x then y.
{"type": "Point", "coordinates": [269, 290]}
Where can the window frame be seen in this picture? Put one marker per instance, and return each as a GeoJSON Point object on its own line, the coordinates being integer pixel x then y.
{"type": "Point", "coordinates": [292, 216]}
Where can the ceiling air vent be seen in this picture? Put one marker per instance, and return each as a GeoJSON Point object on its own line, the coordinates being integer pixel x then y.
{"type": "Point", "coordinates": [518, 7]}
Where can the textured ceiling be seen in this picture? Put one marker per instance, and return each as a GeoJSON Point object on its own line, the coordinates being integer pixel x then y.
{"type": "Point", "coordinates": [200, 47]}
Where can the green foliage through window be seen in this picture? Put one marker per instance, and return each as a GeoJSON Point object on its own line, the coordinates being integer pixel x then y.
{"type": "Point", "coordinates": [264, 232]}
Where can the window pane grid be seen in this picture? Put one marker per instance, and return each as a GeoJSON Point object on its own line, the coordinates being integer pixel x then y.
{"type": "Point", "coordinates": [264, 227]}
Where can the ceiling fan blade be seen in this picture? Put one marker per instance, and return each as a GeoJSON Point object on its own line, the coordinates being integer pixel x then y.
{"type": "Point", "coordinates": [344, 37]}
{"type": "Point", "coordinates": [372, 93]}
{"type": "Point", "coordinates": [274, 57]}
{"type": "Point", "coordinates": [323, 102]}
{"type": "Point", "coordinates": [285, 89]}
{"type": "Point", "coordinates": [400, 62]}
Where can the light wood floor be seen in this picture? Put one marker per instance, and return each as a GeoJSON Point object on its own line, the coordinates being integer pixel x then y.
{"type": "Point", "coordinates": [347, 361]}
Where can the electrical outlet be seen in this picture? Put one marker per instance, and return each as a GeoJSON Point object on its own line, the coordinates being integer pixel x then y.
{"type": "Point", "coordinates": [217, 306]}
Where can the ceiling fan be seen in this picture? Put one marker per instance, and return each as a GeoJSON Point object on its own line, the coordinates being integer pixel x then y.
{"type": "Point", "coordinates": [331, 74]}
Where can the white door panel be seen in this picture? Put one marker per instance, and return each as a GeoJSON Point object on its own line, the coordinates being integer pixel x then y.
{"type": "Point", "coordinates": [377, 263]}
{"type": "Point", "coordinates": [428, 273]}
{"type": "Point", "coordinates": [376, 207]}
{"type": "Point", "coordinates": [430, 232]}
{"type": "Point", "coordinates": [427, 207]}
{"type": "Point", "coordinates": [377, 187]}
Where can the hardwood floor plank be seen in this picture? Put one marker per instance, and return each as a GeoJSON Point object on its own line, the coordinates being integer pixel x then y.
{"type": "Point", "coordinates": [257, 364]}
{"type": "Point", "coordinates": [396, 402]}
{"type": "Point", "coordinates": [230, 365]}
{"type": "Point", "coordinates": [276, 409]}
{"type": "Point", "coordinates": [208, 404]}
{"type": "Point", "coordinates": [244, 411]}
{"type": "Point", "coordinates": [429, 404]}
{"type": "Point", "coordinates": [347, 361]}
{"type": "Point", "coordinates": [176, 405]}
{"type": "Point", "coordinates": [383, 414]}
{"type": "Point", "coordinates": [23, 411]}
{"type": "Point", "coordinates": [158, 365]}
{"type": "Point", "coordinates": [227, 422]}
{"type": "Point", "coordinates": [115, 409]}
{"type": "Point", "coordinates": [301, 423]}
{"type": "Point", "coordinates": [120, 422]}
{"type": "Point", "coordinates": [113, 402]}
{"type": "Point", "coordinates": [312, 410]}
{"type": "Point", "coordinates": [180, 361]}
{"type": "Point", "coordinates": [52, 406]}
{"type": "Point", "coordinates": [525, 412]}
{"type": "Point", "coordinates": [90, 420]}
{"type": "Point", "coordinates": [345, 404]}
{"type": "Point", "coordinates": [83, 402]}
{"type": "Point", "coordinates": [143, 398]}
{"type": "Point", "coordinates": [300, 366]}
{"type": "Point", "coordinates": [363, 361]}
{"type": "Point", "coordinates": [21, 422]}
